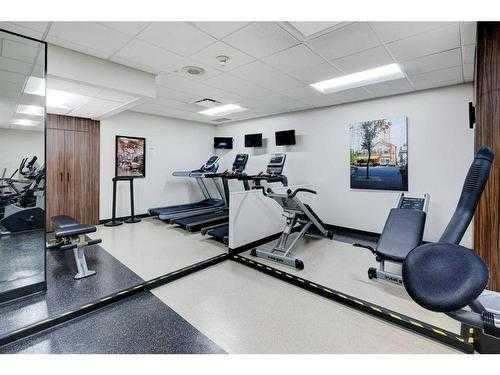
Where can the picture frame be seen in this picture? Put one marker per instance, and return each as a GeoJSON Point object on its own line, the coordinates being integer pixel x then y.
{"type": "Point", "coordinates": [378, 154]}
{"type": "Point", "coordinates": [130, 156]}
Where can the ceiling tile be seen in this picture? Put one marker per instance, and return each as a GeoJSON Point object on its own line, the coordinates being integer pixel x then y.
{"type": "Point", "coordinates": [78, 47]}
{"type": "Point", "coordinates": [437, 78]}
{"type": "Point", "coordinates": [19, 51]}
{"type": "Point", "coordinates": [261, 39]}
{"type": "Point", "coordinates": [231, 83]}
{"type": "Point", "coordinates": [12, 77]}
{"type": "Point", "coordinates": [89, 35]}
{"type": "Point", "coordinates": [468, 72]}
{"type": "Point", "coordinates": [178, 37]}
{"type": "Point", "coordinates": [308, 29]}
{"type": "Point", "coordinates": [351, 95]}
{"type": "Point", "coordinates": [432, 62]}
{"type": "Point", "coordinates": [15, 66]}
{"type": "Point", "coordinates": [427, 43]}
{"type": "Point", "coordinates": [196, 89]}
{"type": "Point", "coordinates": [220, 29]}
{"type": "Point", "coordinates": [302, 92]}
{"type": "Point", "coordinates": [397, 86]}
{"type": "Point", "coordinates": [468, 53]}
{"type": "Point", "coordinates": [30, 29]}
{"type": "Point", "coordinates": [350, 39]}
{"type": "Point", "coordinates": [468, 32]}
{"type": "Point", "coordinates": [316, 73]}
{"type": "Point", "coordinates": [391, 31]}
{"type": "Point", "coordinates": [371, 58]}
{"type": "Point", "coordinates": [236, 57]}
{"type": "Point", "coordinates": [129, 28]}
{"type": "Point", "coordinates": [164, 92]}
{"type": "Point", "coordinates": [265, 76]}
{"type": "Point", "coordinates": [95, 108]}
{"type": "Point", "coordinates": [295, 58]}
{"type": "Point", "coordinates": [145, 54]}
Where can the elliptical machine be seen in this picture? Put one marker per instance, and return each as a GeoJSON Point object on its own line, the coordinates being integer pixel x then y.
{"type": "Point", "coordinates": [300, 218]}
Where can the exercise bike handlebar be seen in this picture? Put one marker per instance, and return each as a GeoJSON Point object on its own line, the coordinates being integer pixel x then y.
{"type": "Point", "coordinates": [292, 194]}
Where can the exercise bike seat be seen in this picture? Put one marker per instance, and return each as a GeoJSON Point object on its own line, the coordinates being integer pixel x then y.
{"type": "Point", "coordinates": [402, 232]}
{"type": "Point", "coordinates": [444, 277]}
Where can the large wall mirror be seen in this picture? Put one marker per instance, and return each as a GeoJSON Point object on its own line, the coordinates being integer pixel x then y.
{"type": "Point", "coordinates": [22, 166]}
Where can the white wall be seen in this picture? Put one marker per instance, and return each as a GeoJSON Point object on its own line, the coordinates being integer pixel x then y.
{"type": "Point", "coordinates": [171, 145]}
{"type": "Point", "coordinates": [440, 151]}
{"type": "Point", "coordinates": [18, 144]}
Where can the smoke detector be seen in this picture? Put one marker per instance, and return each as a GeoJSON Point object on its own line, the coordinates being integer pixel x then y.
{"type": "Point", "coordinates": [193, 70]}
{"type": "Point", "coordinates": [223, 59]}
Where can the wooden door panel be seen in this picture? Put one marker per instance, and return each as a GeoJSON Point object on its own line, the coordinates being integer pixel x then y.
{"type": "Point", "coordinates": [55, 189]}
{"type": "Point", "coordinates": [80, 178]}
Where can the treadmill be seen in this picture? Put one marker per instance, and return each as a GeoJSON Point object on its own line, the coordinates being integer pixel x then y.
{"type": "Point", "coordinates": [210, 166]}
{"type": "Point", "coordinates": [274, 173]}
{"type": "Point", "coordinates": [194, 222]}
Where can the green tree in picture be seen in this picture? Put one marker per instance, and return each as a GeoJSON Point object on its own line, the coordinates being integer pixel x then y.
{"type": "Point", "coordinates": [370, 131]}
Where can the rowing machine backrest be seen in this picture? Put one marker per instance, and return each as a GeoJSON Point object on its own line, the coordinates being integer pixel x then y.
{"type": "Point", "coordinates": [471, 192]}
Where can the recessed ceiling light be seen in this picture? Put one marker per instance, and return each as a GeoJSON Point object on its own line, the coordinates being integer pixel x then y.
{"type": "Point", "coordinates": [223, 59]}
{"type": "Point", "coordinates": [193, 70]}
{"type": "Point", "coordinates": [25, 122]}
{"type": "Point", "coordinates": [223, 110]}
{"type": "Point", "coordinates": [32, 110]}
{"type": "Point", "coordinates": [359, 79]}
{"type": "Point", "coordinates": [35, 86]}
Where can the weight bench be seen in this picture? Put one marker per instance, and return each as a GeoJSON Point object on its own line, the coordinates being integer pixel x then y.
{"type": "Point", "coordinates": [71, 235]}
{"type": "Point", "coordinates": [403, 231]}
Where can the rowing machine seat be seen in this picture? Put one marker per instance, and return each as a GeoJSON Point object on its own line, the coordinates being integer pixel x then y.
{"type": "Point", "coordinates": [444, 277]}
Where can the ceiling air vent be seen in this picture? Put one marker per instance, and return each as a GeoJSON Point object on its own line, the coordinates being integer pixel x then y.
{"type": "Point", "coordinates": [221, 119]}
{"type": "Point", "coordinates": [207, 103]}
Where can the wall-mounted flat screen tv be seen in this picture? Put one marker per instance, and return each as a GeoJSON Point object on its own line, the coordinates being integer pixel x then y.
{"type": "Point", "coordinates": [253, 140]}
{"type": "Point", "coordinates": [285, 138]}
{"type": "Point", "coordinates": [223, 142]}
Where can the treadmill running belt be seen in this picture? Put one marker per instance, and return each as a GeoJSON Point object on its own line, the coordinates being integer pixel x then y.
{"type": "Point", "coordinates": [220, 233]}
{"type": "Point", "coordinates": [193, 223]}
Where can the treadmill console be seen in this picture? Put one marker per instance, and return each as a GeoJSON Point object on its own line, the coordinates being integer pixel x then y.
{"type": "Point", "coordinates": [240, 162]}
{"type": "Point", "coordinates": [276, 164]}
{"type": "Point", "coordinates": [211, 165]}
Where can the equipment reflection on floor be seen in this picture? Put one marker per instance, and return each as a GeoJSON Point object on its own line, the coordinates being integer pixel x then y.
{"type": "Point", "coordinates": [236, 309]}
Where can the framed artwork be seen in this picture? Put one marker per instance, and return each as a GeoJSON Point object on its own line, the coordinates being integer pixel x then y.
{"type": "Point", "coordinates": [378, 154]}
{"type": "Point", "coordinates": [130, 157]}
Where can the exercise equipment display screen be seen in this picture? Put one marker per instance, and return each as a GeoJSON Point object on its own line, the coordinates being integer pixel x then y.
{"type": "Point", "coordinates": [223, 142]}
{"type": "Point", "coordinates": [285, 138]}
{"type": "Point", "coordinates": [253, 140]}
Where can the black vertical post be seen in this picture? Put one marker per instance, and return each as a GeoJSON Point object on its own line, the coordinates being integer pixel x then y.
{"type": "Point", "coordinates": [113, 222]}
{"type": "Point", "coordinates": [132, 219]}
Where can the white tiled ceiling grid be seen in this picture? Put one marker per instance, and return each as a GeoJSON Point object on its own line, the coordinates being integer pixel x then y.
{"type": "Point", "coordinates": [271, 63]}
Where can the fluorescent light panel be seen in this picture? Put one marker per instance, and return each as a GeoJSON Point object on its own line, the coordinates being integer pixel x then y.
{"type": "Point", "coordinates": [223, 110]}
{"type": "Point", "coordinates": [366, 77]}
{"type": "Point", "coordinates": [25, 122]}
{"type": "Point", "coordinates": [35, 86]}
{"type": "Point", "coordinates": [32, 110]}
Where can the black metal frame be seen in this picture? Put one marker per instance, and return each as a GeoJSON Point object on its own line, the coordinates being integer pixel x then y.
{"type": "Point", "coordinates": [116, 154]}
{"type": "Point", "coordinates": [42, 286]}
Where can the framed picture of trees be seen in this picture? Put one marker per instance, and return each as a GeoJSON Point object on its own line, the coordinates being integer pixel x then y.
{"type": "Point", "coordinates": [379, 154]}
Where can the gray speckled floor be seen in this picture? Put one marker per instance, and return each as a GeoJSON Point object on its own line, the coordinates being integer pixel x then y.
{"type": "Point", "coordinates": [64, 292]}
{"type": "Point", "coordinates": [141, 324]}
{"type": "Point", "coordinates": [22, 260]}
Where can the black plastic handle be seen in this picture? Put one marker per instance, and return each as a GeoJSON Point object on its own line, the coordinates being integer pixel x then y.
{"type": "Point", "coordinates": [300, 190]}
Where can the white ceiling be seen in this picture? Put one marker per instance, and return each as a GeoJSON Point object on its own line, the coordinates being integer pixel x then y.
{"type": "Point", "coordinates": [271, 63]}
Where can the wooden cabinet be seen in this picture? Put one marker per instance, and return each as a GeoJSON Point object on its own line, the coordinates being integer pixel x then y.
{"type": "Point", "coordinates": [73, 168]}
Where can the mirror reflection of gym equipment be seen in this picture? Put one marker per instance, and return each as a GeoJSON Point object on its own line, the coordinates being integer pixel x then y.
{"type": "Point", "coordinates": [272, 211]}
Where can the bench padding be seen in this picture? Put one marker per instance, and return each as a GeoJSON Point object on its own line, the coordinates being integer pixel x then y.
{"type": "Point", "coordinates": [402, 233]}
{"type": "Point", "coordinates": [67, 227]}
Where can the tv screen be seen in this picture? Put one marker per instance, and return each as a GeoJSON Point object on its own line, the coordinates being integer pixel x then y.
{"type": "Point", "coordinates": [285, 138]}
{"type": "Point", "coordinates": [253, 140]}
{"type": "Point", "coordinates": [223, 142]}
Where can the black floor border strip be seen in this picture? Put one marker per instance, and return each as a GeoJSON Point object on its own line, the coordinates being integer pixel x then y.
{"type": "Point", "coordinates": [445, 337]}
{"type": "Point", "coordinates": [49, 323]}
